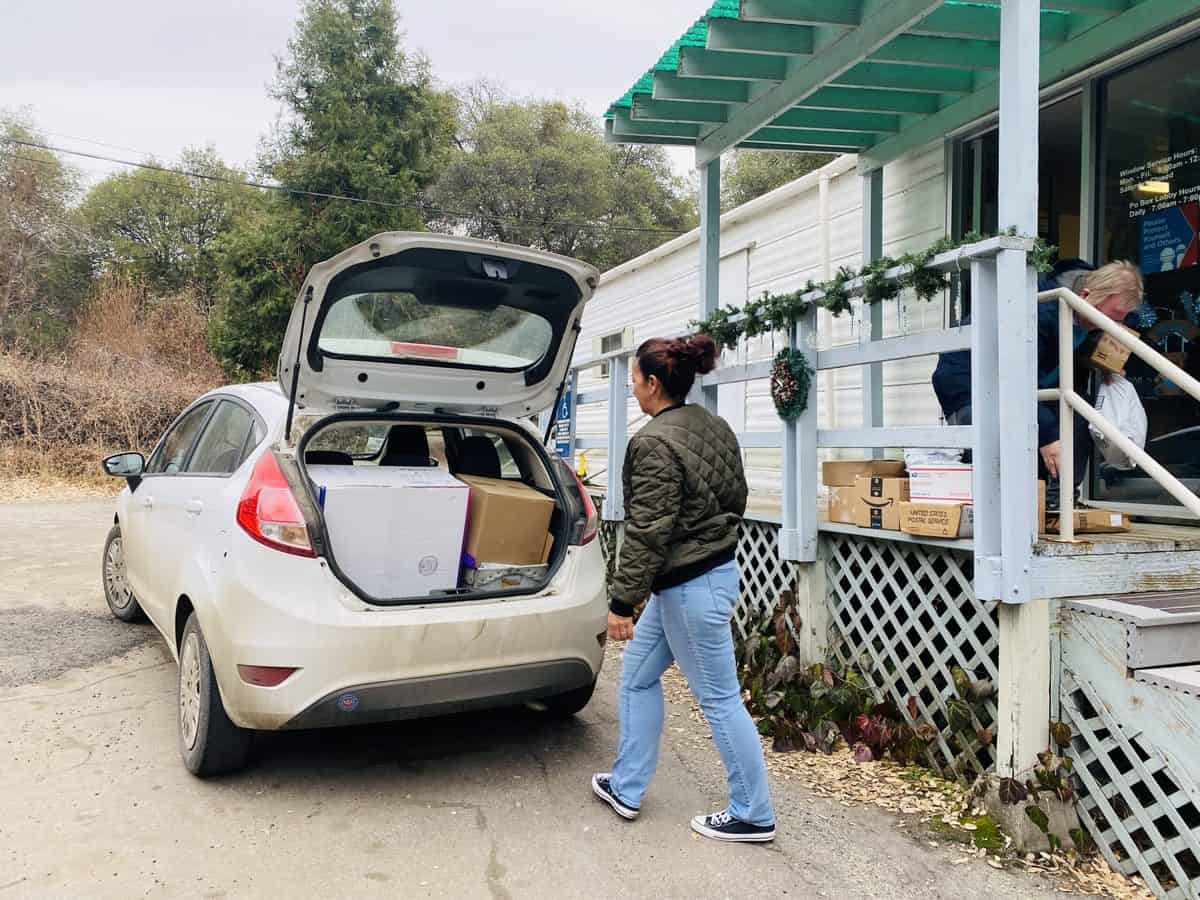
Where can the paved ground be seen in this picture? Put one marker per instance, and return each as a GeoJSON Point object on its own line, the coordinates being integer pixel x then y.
{"type": "Point", "coordinates": [94, 801]}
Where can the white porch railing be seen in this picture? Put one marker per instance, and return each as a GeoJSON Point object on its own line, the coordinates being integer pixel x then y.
{"type": "Point", "coordinates": [1071, 403]}
{"type": "Point", "coordinates": [800, 440]}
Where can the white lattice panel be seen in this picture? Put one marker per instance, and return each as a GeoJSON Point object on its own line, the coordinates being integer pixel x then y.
{"type": "Point", "coordinates": [905, 616]}
{"type": "Point", "coordinates": [1142, 812]}
{"type": "Point", "coordinates": [764, 577]}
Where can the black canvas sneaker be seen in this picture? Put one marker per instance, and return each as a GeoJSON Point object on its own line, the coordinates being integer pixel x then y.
{"type": "Point", "coordinates": [724, 827]}
{"type": "Point", "coordinates": [602, 788]}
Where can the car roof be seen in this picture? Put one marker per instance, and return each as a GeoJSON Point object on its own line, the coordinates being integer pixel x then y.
{"type": "Point", "coordinates": [264, 396]}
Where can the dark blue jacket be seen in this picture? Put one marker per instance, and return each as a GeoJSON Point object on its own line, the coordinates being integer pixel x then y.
{"type": "Point", "coordinates": [952, 377]}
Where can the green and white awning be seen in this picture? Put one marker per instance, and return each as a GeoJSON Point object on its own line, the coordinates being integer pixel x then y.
{"type": "Point", "coordinates": [876, 77]}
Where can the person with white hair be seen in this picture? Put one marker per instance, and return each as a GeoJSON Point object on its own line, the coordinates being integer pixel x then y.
{"type": "Point", "coordinates": [1115, 289]}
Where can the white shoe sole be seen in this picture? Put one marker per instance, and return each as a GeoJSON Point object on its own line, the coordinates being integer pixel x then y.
{"type": "Point", "coordinates": [760, 837]}
{"type": "Point", "coordinates": [621, 810]}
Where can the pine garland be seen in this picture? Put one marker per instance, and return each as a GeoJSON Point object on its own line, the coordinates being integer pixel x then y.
{"type": "Point", "coordinates": [780, 312]}
{"type": "Point", "coordinates": [791, 379]}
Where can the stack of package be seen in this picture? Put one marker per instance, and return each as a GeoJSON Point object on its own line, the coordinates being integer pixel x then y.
{"type": "Point", "coordinates": [509, 540]}
{"type": "Point", "coordinates": [866, 493]}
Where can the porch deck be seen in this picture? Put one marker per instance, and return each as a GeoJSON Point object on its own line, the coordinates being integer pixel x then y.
{"type": "Point", "coordinates": [1143, 537]}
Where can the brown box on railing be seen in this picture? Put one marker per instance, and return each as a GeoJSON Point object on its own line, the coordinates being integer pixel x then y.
{"type": "Point", "coordinates": [843, 473]}
{"type": "Point", "coordinates": [877, 501]}
{"type": "Point", "coordinates": [1110, 353]}
{"type": "Point", "coordinates": [930, 518]}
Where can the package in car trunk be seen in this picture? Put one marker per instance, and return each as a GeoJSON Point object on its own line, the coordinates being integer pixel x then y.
{"type": "Point", "coordinates": [395, 532]}
{"type": "Point", "coordinates": [510, 523]}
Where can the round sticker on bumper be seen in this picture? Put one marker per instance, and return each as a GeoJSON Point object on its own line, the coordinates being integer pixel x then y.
{"type": "Point", "coordinates": [347, 702]}
{"type": "Point", "coordinates": [428, 565]}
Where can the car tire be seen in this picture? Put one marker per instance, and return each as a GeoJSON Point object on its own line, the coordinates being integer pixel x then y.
{"type": "Point", "coordinates": [209, 742]}
{"type": "Point", "coordinates": [567, 704]}
{"type": "Point", "coordinates": [117, 592]}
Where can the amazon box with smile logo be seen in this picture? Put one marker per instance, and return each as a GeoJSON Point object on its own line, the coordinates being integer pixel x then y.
{"type": "Point", "coordinates": [877, 501]}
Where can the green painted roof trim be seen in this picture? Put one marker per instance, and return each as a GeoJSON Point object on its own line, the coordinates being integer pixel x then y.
{"type": "Point", "coordinates": [915, 69]}
{"type": "Point", "coordinates": [696, 36]}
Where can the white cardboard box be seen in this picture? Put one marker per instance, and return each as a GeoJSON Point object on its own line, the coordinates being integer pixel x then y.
{"type": "Point", "coordinates": [944, 482]}
{"type": "Point", "coordinates": [396, 532]}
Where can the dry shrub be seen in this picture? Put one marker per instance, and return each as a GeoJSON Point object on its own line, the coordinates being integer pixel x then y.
{"type": "Point", "coordinates": [121, 319]}
{"type": "Point", "coordinates": [135, 363]}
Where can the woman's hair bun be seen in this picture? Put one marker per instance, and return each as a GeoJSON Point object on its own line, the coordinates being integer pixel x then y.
{"type": "Point", "coordinates": [676, 362]}
{"type": "Point", "coordinates": [699, 351]}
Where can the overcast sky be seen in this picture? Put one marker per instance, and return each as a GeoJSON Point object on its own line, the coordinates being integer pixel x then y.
{"type": "Point", "coordinates": [155, 76]}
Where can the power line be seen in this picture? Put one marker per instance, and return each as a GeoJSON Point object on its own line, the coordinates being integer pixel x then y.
{"type": "Point", "coordinates": [83, 140]}
{"type": "Point", "coordinates": [188, 193]}
{"type": "Point", "coordinates": [425, 209]}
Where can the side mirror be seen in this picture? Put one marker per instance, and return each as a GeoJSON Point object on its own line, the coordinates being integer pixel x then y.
{"type": "Point", "coordinates": [126, 465]}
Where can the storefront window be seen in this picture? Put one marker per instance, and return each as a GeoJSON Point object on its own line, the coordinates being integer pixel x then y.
{"type": "Point", "coordinates": [1150, 208]}
{"type": "Point", "coordinates": [1059, 160]}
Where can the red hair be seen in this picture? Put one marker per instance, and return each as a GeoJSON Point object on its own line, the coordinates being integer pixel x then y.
{"type": "Point", "coordinates": [676, 362]}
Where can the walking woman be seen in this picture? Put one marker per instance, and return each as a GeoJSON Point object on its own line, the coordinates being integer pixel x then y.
{"type": "Point", "coordinates": [685, 493]}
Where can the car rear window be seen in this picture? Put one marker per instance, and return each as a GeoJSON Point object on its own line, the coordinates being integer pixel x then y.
{"type": "Point", "coordinates": [400, 325]}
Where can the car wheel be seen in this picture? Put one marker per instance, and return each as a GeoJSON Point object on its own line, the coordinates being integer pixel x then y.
{"type": "Point", "coordinates": [570, 702]}
{"type": "Point", "coordinates": [117, 592]}
{"type": "Point", "coordinates": [209, 741]}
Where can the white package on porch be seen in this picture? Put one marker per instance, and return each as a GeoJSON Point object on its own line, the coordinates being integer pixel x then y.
{"type": "Point", "coordinates": [395, 532]}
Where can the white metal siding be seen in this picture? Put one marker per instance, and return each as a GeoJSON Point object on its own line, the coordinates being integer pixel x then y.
{"type": "Point", "coordinates": [778, 242]}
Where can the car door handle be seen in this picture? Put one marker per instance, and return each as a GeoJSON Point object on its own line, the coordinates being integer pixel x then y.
{"type": "Point", "coordinates": [194, 507]}
{"type": "Point", "coordinates": [147, 503]}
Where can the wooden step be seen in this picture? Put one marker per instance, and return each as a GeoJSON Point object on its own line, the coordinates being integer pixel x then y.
{"type": "Point", "coordinates": [1162, 629]}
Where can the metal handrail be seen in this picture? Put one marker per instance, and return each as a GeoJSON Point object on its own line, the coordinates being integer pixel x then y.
{"type": "Point", "coordinates": [1070, 402]}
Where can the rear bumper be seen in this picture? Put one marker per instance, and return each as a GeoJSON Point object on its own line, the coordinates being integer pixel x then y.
{"type": "Point", "coordinates": [277, 610]}
{"type": "Point", "coordinates": [414, 697]}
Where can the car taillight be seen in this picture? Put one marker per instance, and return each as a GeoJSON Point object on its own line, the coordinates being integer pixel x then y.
{"type": "Point", "coordinates": [591, 526]}
{"type": "Point", "coordinates": [584, 520]}
{"type": "Point", "coordinates": [269, 513]}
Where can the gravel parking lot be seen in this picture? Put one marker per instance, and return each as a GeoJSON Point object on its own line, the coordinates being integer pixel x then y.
{"type": "Point", "coordinates": [95, 802]}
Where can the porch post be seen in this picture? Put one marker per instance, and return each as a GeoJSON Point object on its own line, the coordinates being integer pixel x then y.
{"type": "Point", "coordinates": [798, 536]}
{"type": "Point", "coordinates": [710, 255]}
{"type": "Point", "coordinates": [1024, 689]}
{"type": "Point", "coordinates": [872, 249]}
{"type": "Point", "coordinates": [618, 434]}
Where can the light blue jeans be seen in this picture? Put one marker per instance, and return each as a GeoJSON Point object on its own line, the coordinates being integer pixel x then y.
{"type": "Point", "coordinates": [690, 624]}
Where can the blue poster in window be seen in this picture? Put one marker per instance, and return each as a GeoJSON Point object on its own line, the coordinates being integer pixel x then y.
{"type": "Point", "coordinates": [1167, 239]}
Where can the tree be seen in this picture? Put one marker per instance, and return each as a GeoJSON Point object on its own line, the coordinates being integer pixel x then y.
{"type": "Point", "coordinates": [538, 173]}
{"type": "Point", "coordinates": [163, 227]}
{"type": "Point", "coordinates": [43, 263]}
{"type": "Point", "coordinates": [752, 173]}
{"type": "Point", "coordinates": [362, 120]}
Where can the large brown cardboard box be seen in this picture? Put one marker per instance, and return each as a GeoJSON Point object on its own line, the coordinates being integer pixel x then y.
{"type": "Point", "coordinates": [842, 473]}
{"type": "Point", "coordinates": [930, 518]}
{"type": "Point", "coordinates": [877, 501]}
{"type": "Point", "coordinates": [841, 505]}
{"type": "Point", "coordinates": [1110, 353]}
{"type": "Point", "coordinates": [509, 522]}
{"type": "Point", "coordinates": [1094, 521]}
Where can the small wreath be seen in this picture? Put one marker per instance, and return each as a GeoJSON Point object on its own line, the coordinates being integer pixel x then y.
{"type": "Point", "coordinates": [791, 378]}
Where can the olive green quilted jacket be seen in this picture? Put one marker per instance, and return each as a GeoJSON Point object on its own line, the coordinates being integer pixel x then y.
{"type": "Point", "coordinates": [685, 493]}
